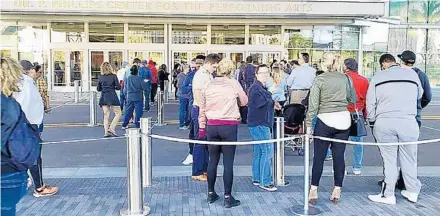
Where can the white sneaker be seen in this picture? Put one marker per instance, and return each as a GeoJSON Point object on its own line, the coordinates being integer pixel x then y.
{"type": "Point", "coordinates": [410, 195]}
{"type": "Point", "coordinates": [188, 160]}
{"type": "Point", "coordinates": [380, 199]}
{"type": "Point", "coordinates": [356, 171]}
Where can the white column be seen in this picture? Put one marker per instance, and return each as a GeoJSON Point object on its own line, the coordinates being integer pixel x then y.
{"type": "Point", "coordinates": [209, 36]}
{"type": "Point", "coordinates": [87, 75]}
{"type": "Point", "coordinates": [361, 53]}
{"type": "Point", "coordinates": [49, 72]}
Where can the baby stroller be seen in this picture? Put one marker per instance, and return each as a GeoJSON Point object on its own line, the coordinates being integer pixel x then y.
{"type": "Point", "coordinates": [294, 116]}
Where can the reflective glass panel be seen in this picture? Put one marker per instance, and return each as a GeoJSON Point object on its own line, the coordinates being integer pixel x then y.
{"type": "Point", "coordinates": [399, 8]}
{"type": "Point", "coordinates": [433, 43]}
{"type": "Point", "coordinates": [397, 40]}
{"type": "Point", "coordinates": [115, 59]}
{"type": "Point", "coordinates": [227, 34]}
{"type": "Point", "coordinates": [76, 66]}
{"type": "Point", "coordinates": [264, 35]}
{"type": "Point", "coordinates": [189, 34]}
{"type": "Point", "coordinates": [237, 57]}
{"type": "Point", "coordinates": [96, 60]}
{"type": "Point", "coordinates": [146, 33]}
{"type": "Point", "coordinates": [298, 38]}
{"type": "Point", "coordinates": [59, 67]}
{"type": "Point", "coordinates": [418, 11]}
{"type": "Point", "coordinates": [67, 32]}
{"type": "Point", "coordinates": [375, 37]}
{"type": "Point", "coordinates": [106, 32]}
{"type": "Point", "coordinates": [433, 69]}
{"type": "Point", "coordinates": [416, 40]}
{"type": "Point", "coordinates": [434, 11]}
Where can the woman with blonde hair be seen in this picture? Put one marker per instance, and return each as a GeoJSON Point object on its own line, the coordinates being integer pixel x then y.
{"type": "Point", "coordinates": [218, 121]}
{"type": "Point", "coordinates": [278, 87]}
{"type": "Point", "coordinates": [108, 83]}
{"type": "Point", "coordinates": [329, 96]}
{"type": "Point", "coordinates": [19, 138]}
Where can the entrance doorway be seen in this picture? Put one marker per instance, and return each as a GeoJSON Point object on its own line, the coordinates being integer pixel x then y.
{"type": "Point", "coordinates": [267, 57]}
{"type": "Point", "coordinates": [115, 58]}
{"type": "Point", "coordinates": [185, 57]}
{"type": "Point", "coordinates": [68, 66]}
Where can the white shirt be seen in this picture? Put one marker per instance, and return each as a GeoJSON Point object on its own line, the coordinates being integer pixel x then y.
{"type": "Point", "coordinates": [30, 100]}
{"type": "Point", "coordinates": [301, 77]}
{"type": "Point", "coordinates": [121, 74]}
{"type": "Point", "coordinates": [201, 78]}
{"type": "Point", "coordinates": [337, 120]}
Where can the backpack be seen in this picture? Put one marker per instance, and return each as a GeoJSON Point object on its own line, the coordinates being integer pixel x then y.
{"type": "Point", "coordinates": [20, 140]}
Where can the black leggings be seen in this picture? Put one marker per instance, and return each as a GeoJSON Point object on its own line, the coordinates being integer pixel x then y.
{"type": "Point", "coordinates": [153, 91]}
{"type": "Point", "coordinates": [221, 133]}
{"type": "Point", "coordinates": [320, 148]}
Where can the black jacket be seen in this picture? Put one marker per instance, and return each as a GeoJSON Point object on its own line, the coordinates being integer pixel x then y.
{"type": "Point", "coordinates": [108, 84]}
{"type": "Point", "coordinates": [163, 75]}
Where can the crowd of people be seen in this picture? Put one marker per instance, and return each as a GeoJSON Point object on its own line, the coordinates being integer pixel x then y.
{"type": "Point", "coordinates": [215, 96]}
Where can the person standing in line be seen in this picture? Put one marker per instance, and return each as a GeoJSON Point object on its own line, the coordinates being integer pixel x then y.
{"type": "Point", "coordinates": [146, 76]}
{"type": "Point", "coordinates": [163, 76]}
{"type": "Point", "coordinates": [329, 97]}
{"type": "Point", "coordinates": [42, 88]}
{"type": "Point", "coordinates": [392, 100]}
{"type": "Point", "coordinates": [218, 121]}
{"type": "Point", "coordinates": [261, 120]}
{"type": "Point", "coordinates": [133, 89]}
{"type": "Point", "coordinates": [301, 79]}
{"type": "Point", "coordinates": [203, 76]}
{"type": "Point", "coordinates": [187, 90]}
{"type": "Point", "coordinates": [154, 79]}
{"type": "Point", "coordinates": [108, 84]}
{"type": "Point", "coordinates": [277, 86]}
{"type": "Point", "coordinates": [183, 100]}
{"type": "Point", "coordinates": [121, 74]}
{"type": "Point", "coordinates": [408, 60]}
{"type": "Point", "coordinates": [176, 71]}
{"type": "Point", "coordinates": [246, 79]}
{"type": "Point", "coordinates": [360, 84]}
{"type": "Point", "coordinates": [16, 133]}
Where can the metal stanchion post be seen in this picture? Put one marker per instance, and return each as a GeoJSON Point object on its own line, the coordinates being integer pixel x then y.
{"type": "Point", "coordinates": [166, 92]}
{"type": "Point", "coordinates": [93, 109]}
{"type": "Point", "coordinates": [278, 167]}
{"type": "Point", "coordinates": [160, 109]}
{"type": "Point", "coordinates": [147, 165]}
{"type": "Point", "coordinates": [76, 87]}
{"type": "Point", "coordinates": [134, 176]}
{"type": "Point", "coordinates": [306, 209]}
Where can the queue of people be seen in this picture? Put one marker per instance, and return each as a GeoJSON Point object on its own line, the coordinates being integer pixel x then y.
{"type": "Point", "coordinates": [337, 98]}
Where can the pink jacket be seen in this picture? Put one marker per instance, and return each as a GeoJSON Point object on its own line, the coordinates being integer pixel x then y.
{"type": "Point", "coordinates": [220, 102]}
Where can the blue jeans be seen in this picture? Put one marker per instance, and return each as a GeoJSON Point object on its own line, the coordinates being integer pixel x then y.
{"type": "Point", "coordinates": [147, 99]}
{"type": "Point", "coordinates": [262, 156]}
{"type": "Point", "coordinates": [13, 188]}
{"type": "Point", "coordinates": [122, 99]}
{"type": "Point", "coordinates": [200, 152]}
{"type": "Point", "coordinates": [183, 112]}
{"type": "Point", "coordinates": [133, 106]}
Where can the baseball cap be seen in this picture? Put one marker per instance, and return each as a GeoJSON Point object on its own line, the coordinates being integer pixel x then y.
{"type": "Point", "coordinates": [144, 62]}
{"type": "Point", "coordinates": [27, 65]}
{"type": "Point", "coordinates": [275, 65]}
{"type": "Point", "coordinates": [351, 64]}
{"type": "Point", "coordinates": [407, 56]}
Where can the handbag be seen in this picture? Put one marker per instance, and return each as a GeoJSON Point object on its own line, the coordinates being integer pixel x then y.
{"type": "Point", "coordinates": [357, 127]}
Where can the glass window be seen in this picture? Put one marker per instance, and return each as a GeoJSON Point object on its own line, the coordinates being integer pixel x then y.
{"type": "Point", "coordinates": [433, 43]}
{"type": "Point", "coordinates": [32, 43]}
{"type": "Point", "coordinates": [106, 32]}
{"type": "Point", "coordinates": [227, 34]}
{"type": "Point", "coordinates": [76, 66]}
{"type": "Point", "coordinates": [350, 40]}
{"type": "Point", "coordinates": [323, 37]}
{"type": "Point", "coordinates": [298, 38]}
{"type": "Point", "coordinates": [434, 11]}
{"type": "Point", "coordinates": [146, 33]}
{"type": "Point", "coordinates": [399, 8]}
{"type": "Point", "coordinates": [264, 35]}
{"type": "Point", "coordinates": [9, 36]}
{"type": "Point", "coordinates": [180, 57]}
{"type": "Point", "coordinates": [67, 32]}
{"type": "Point", "coordinates": [59, 63]}
{"type": "Point", "coordinates": [237, 57]}
{"type": "Point", "coordinates": [420, 61]}
{"type": "Point", "coordinates": [190, 34]}
{"type": "Point", "coordinates": [397, 40]}
{"type": "Point", "coordinates": [433, 69]}
{"type": "Point", "coordinates": [371, 63]}
{"type": "Point", "coordinates": [115, 59]}
{"type": "Point", "coordinates": [375, 37]}
{"type": "Point", "coordinates": [97, 58]}
{"type": "Point", "coordinates": [416, 40]}
{"type": "Point", "coordinates": [5, 53]}
{"type": "Point", "coordinates": [418, 11]}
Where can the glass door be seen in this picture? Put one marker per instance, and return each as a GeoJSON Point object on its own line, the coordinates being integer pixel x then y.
{"type": "Point", "coordinates": [68, 66]}
{"type": "Point", "coordinates": [115, 59]}
{"type": "Point", "coordinates": [96, 60]}
{"type": "Point", "coordinates": [267, 57]}
{"type": "Point", "coordinates": [157, 57]}
{"type": "Point", "coordinates": [184, 57]}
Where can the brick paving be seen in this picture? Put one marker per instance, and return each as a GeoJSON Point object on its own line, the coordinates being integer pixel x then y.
{"type": "Point", "coordinates": [181, 196]}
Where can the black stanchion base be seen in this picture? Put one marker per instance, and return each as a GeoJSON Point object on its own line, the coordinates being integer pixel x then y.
{"type": "Point", "coordinates": [299, 210]}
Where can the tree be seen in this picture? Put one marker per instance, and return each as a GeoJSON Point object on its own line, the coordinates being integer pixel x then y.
{"type": "Point", "coordinates": [428, 9]}
{"type": "Point", "coordinates": [298, 41]}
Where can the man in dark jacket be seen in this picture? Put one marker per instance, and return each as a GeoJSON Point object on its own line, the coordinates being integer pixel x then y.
{"type": "Point", "coordinates": [246, 79]}
{"type": "Point", "coordinates": [146, 76]}
{"type": "Point", "coordinates": [133, 89]}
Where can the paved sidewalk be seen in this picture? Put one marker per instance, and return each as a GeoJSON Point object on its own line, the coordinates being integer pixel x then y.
{"type": "Point", "coordinates": [181, 196]}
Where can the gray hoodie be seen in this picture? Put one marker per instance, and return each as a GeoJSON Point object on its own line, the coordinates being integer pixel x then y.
{"type": "Point", "coordinates": [393, 93]}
